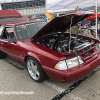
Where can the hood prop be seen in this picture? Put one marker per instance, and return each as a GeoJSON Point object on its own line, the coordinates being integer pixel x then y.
{"type": "Point", "coordinates": [70, 41]}
{"type": "Point", "coordinates": [70, 34]}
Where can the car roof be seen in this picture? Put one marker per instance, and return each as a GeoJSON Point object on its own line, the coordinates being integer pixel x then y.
{"type": "Point", "coordinates": [19, 22]}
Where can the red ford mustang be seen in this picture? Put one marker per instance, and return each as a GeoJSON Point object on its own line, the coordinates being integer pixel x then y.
{"type": "Point", "coordinates": [46, 48]}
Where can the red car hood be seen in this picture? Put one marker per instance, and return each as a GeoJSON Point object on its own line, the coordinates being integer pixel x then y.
{"type": "Point", "coordinates": [9, 14]}
{"type": "Point", "coordinates": [62, 23]}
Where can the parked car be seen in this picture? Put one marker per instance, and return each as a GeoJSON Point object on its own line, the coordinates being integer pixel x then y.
{"type": "Point", "coordinates": [94, 17]}
{"type": "Point", "coordinates": [46, 49]}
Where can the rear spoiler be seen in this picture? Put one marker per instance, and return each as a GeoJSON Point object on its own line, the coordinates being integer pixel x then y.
{"type": "Point", "coordinates": [9, 14]}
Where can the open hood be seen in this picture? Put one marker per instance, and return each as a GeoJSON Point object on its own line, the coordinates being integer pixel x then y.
{"type": "Point", "coordinates": [62, 23]}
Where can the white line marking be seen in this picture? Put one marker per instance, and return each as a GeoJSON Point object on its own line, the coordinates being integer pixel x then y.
{"type": "Point", "coordinates": [16, 93]}
{"type": "Point", "coordinates": [59, 89]}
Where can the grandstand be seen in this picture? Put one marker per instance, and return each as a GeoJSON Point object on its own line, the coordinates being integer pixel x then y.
{"type": "Point", "coordinates": [25, 7]}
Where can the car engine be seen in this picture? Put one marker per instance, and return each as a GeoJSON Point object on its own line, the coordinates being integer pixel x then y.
{"type": "Point", "coordinates": [61, 43]}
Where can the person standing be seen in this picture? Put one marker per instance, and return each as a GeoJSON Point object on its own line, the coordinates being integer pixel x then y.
{"type": "Point", "coordinates": [52, 17]}
{"type": "Point", "coordinates": [45, 18]}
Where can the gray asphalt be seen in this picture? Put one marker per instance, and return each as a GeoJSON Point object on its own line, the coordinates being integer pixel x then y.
{"type": "Point", "coordinates": [12, 79]}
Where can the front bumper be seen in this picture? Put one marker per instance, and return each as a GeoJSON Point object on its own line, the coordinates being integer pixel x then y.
{"type": "Point", "coordinates": [74, 73]}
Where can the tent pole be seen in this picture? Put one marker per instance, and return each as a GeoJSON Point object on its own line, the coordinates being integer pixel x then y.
{"type": "Point", "coordinates": [96, 19]}
{"type": "Point", "coordinates": [46, 11]}
{"type": "Point", "coordinates": [77, 8]}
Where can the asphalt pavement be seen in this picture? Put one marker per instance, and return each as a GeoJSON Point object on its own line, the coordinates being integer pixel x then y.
{"type": "Point", "coordinates": [16, 84]}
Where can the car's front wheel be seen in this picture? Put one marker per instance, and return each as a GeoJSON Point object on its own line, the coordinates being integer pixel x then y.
{"type": "Point", "coordinates": [35, 70]}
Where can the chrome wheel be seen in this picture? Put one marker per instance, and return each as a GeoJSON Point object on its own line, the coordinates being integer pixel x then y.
{"type": "Point", "coordinates": [33, 69]}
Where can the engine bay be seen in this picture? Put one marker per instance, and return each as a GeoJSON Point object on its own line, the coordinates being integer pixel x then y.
{"type": "Point", "coordinates": [63, 43]}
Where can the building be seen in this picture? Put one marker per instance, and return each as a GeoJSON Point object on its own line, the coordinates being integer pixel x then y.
{"type": "Point", "coordinates": [25, 7]}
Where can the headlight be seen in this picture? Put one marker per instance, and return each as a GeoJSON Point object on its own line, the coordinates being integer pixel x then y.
{"type": "Point", "coordinates": [98, 47]}
{"type": "Point", "coordinates": [75, 61]}
{"type": "Point", "coordinates": [61, 65]}
{"type": "Point", "coordinates": [69, 63]}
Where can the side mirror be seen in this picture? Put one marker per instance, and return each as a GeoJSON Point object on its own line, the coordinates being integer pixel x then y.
{"type": "Point", "coordinates": [12, 40]}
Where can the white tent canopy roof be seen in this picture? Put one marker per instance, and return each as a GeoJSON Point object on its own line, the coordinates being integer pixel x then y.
{"type": "Point", "coordinates": [69, 4]}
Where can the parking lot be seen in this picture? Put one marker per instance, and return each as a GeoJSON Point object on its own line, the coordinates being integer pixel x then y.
{"type": "Point", "coordinates": [16, 84]}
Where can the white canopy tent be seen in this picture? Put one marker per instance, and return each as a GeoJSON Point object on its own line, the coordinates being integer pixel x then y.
{"type": "Point", "coordinates": [72, 4]}
{"type": "Point", "coordinates": [69, 4]}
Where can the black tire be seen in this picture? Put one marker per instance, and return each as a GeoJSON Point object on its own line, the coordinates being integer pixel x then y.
{"type": "Point", "coordinates": [35, 70]}
{"type": "Point", "coordinates": [2, 55]}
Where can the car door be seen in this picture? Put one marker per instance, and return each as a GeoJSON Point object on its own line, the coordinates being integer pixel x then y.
{"type": "Point", "coordinates": [12, 49]}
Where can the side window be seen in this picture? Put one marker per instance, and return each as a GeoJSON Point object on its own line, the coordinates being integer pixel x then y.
{"type": "Point", "coordinates": [8, 33]}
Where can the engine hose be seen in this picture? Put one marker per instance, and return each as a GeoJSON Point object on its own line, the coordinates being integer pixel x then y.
{"type": "Point", "coordinates": [73, 86]}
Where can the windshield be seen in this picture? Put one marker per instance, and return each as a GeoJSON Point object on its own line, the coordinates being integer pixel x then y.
{"type": "Point", "coordinates": [28, 30]}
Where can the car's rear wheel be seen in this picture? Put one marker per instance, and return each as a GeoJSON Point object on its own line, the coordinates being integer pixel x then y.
{"type": "Point", "coordinates": [2, 55]}
{"type": "Point", "coordinates": [35, 70]}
